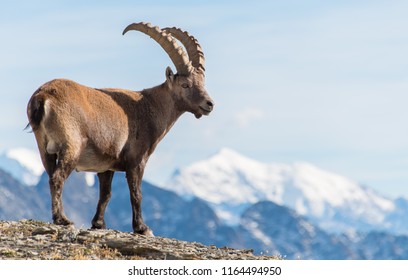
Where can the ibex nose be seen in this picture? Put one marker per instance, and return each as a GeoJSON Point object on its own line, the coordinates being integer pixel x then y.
{"type": "Point", "coordinates": [210, 104]}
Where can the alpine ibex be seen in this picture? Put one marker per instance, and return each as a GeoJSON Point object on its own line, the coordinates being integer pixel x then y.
{"type": "Point", "coordinates": [108, 130]}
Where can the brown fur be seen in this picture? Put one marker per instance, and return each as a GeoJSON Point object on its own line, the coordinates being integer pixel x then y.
{"type": "Point", "coordinates": [108, 130]}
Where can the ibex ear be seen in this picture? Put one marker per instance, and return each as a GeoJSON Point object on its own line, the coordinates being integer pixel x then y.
{"type": "Point", "coordinates": [169, 75]}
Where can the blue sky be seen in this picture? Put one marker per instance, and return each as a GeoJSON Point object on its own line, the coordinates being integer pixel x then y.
{"type": "Point", "coordinates": [319, 81]}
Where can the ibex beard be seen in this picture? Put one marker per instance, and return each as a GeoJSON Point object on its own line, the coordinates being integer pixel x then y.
{"type": "Point", "coordinates": [107, 130]}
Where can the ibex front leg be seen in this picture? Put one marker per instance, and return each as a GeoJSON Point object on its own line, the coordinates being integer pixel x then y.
{"type": "Point", "coordinates": [105, 186]}
{"type": "Point", "coordinates": [134, 179]}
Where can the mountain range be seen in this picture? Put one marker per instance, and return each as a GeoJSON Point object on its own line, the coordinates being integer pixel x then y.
{"type": "Point", "coordinates": [297, 211]}
{"type": "Point", "coordinates": [230, 183]}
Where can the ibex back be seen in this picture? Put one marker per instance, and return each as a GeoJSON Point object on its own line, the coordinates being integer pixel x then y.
{"type": "Point", "coordinates": [108, 130]}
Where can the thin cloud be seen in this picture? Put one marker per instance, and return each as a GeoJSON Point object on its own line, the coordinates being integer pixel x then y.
{"type": "Point", "coordinates": [248, 116]}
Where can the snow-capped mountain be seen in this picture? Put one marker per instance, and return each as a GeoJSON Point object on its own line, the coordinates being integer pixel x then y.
{"type": "Point", "coordinates": [23, 164]}
{"type": "Point", "coordinates": [230, 183]}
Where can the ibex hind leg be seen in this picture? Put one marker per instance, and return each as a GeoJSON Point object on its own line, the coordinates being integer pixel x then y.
{"type": "Point", "coordinates": [49, 161]}
{"type": "Point", "coordinates": [64, 165]}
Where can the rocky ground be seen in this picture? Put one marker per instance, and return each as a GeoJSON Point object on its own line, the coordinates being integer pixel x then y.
{"type": "Point", "coordinates": [29, 239]}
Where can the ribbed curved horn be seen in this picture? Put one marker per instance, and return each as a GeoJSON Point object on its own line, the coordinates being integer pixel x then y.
{"type": "Point", "coordinates": [192, 46]}
{"type": "Point", "coordinates": [167, 42]}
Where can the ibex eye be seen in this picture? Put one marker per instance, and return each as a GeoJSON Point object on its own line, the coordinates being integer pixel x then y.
{"type": "Point", "coordinates": [185, 86]}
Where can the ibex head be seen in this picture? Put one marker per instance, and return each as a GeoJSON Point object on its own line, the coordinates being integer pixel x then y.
{"type": "Point", "coordinates": [188, 84]}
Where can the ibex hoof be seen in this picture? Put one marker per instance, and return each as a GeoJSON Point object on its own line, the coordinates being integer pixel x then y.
{"type": "Point", "coordinates": [63, 221]}
{"type": "Point", "coordinates": [99, 225]}
{"type": "Point", "coordinates": [146, 232]}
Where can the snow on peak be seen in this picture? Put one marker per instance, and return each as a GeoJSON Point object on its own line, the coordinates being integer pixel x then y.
{"type": "Point", "coordinates": [222, 177]}
{"type": "Point", "coordinates": [229, 154]}
{"type": "Point", "coordinates": [230, 181]}
{"type": "Point", "coordinates": [28, 158]}
{"type": "Point", "coordinates": [23, 164]}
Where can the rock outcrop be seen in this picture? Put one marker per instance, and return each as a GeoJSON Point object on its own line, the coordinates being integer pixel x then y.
{"type": "Point", "coordinates": [28, 239]}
